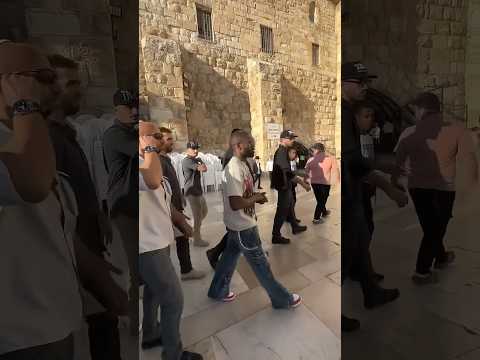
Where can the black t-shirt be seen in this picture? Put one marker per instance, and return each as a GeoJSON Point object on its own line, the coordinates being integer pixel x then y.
{"type": "Point", "coordinates": [71, 160]}
{"type": "Point", "coordinates": [193, 177]}
{"type": "Point", "coordinates": [120, 146]}
{"type": "Point", "coordinates": [170, 173]}
{"type": "Point", "coordinates": [354, 166]}
{"type": "Point", "coordinates": [282, 174]}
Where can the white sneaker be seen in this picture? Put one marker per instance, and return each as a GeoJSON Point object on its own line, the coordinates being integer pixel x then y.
{"type": "Point", "coordinates": [317, 221]}
{"type": "Point", "coordinates": [297, 300]}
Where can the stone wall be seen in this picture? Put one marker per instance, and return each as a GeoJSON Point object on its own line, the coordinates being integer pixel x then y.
{"type": "Point", "coordinates": [412, 46]}
{"type": "Point", "coordinates": [473, 64]}
{"type": "Point", "coordinates": [216, 78]}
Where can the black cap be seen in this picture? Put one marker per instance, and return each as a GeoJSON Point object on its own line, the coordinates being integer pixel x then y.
{"type": "Point", "coordinates": [288, 134]}
{"type": "Point", "coordinates": [193, 145]}
{"type": "Point", "coordinates": [355, 71]}
{"type": "Point", "coordinates": [126, 98]}
{"type": "Point", "coordinates": [427, 101]}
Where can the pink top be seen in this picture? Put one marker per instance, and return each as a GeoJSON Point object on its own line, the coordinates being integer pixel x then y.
{"type": "Point", "coordinates": [322, 169]}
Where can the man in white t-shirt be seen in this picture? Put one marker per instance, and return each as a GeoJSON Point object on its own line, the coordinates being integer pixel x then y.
{"type": "Point", "coordinates": [162, 287]}
{"type": "Point", "coordinates": [40, 306]}
{"type": "Point", "coordinates": [239, 201]}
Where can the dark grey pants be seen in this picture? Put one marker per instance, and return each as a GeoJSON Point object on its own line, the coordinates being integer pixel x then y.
{"type": "Point", "coordinates": [162, 289]}
{"type": "Point", "coordinates": [60, 350]}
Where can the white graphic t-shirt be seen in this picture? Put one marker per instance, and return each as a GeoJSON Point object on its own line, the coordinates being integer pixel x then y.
{"type": "Point", "coordinates": [238, 182]}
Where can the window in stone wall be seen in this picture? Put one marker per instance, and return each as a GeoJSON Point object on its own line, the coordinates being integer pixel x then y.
{"type": "Point", "coordinates": [267, 39]}
{"type": "Point", "coordinates": [315, 54]}
{"type": "Point", "coordinates": [312, 10]}
{"type": "Point", "coordinates": [204, 23]}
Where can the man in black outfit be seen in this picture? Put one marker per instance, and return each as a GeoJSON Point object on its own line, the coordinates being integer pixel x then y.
{"type": "Point", "coordinates": [120, 146]}
{"type": "Point", "coordinates": [355, 170]}
{"type": "Point", "coordinates": [182, 242]}
{"type": "Point", "coordinates": [70, 159]}
{"type": "Point", "coordinates": [282, 180]}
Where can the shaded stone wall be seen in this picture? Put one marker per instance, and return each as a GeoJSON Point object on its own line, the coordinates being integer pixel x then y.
{"type": "Point", "coordinates": [411, 45]}
{"type": "Point", "coordinates": [216, 78]}
{"type": "Point", "coordinates": [473, 64]}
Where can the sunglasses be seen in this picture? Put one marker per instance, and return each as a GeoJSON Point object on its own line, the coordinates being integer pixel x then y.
{"type": "Point", "coordinates": [43, 76]}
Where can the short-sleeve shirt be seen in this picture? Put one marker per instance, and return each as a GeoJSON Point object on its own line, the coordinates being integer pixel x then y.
{"type": "Point", "coordinates": [41, 301]}
{"type": "Point", "coordinates": [155, 219]}
{"type": "Point", "coordinates": [238, 181]}
{"type": "Point", "coordinates": [193, 177]}
{"type": "Point", "coordinates": [428, 153]}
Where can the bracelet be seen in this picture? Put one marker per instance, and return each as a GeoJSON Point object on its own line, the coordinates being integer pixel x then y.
{"type": "Point", "coordinates": [151, 149]}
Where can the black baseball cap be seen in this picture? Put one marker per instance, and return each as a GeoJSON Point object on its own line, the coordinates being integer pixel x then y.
{"type": "Point", "coordinates": [356, 70]}
{"type": "Point", "coordinates": [193, 145]}
{"type": "Point", "coordinates": [288, 134]}
{"type": "Point", "coordinates": [125, 97]}
{"type": "Point", "coordinates": [428, 101]}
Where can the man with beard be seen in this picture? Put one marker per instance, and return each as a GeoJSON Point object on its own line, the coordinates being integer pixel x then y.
{"type": "Point", "coordinates": [239, 201]}
{"type": "Point", "coordinates": [181, 241]}
{"type": "Point", "coordinates": [70, 159]}
{"type": "Point", "coordinates": [355, 170]}
{"type": "Point", "coordinates": [120, 145]}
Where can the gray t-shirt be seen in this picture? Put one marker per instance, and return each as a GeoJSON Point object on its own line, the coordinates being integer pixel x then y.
{"type": "Point", "coordinates": [193, 177]}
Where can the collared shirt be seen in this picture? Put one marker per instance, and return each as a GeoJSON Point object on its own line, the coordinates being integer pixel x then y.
{"type": "Point", "coordinates": [41, 301]}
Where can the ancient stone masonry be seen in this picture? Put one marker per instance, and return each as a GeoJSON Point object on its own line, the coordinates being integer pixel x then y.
{"type": "Point", "coordinates": [412, 46]}
{"type": "Point", "coordinates": [206, 88]}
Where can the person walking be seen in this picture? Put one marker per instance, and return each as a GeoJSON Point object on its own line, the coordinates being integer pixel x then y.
{"type": "Point", "coordinates": [239, 216]}
{"type": "Point", "coordinates": [258, 173]}
{"type": "Point", "coordinates": [182, 242]}
{"type": "Point", "coordinates": [162, 288]}
{"type": "Point", "coordinates": [192, 167]}
{"type": "Point", "coordinates": [427, 154]}
{"type": "Point", "coordinates": [282, 179]}
{"type": "Point", "coordinates": [321, 171]}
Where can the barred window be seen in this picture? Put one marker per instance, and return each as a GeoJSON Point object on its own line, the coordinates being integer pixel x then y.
{"type": "Point", "coordinates": [267, 39]}
{"type": "Point", "coordinates": [204, 23]}
{"type": "Point", "coordinates": [312, 11]}
{"type": "Point", "coordinates": [315, 54]}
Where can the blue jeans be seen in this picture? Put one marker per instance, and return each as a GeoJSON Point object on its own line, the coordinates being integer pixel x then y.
{"type": "Point", "coordinates": [248, 243]}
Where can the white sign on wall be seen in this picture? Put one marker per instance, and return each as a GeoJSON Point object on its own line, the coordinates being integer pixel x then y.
{"type": "Point", "coordinates": [274, 131]}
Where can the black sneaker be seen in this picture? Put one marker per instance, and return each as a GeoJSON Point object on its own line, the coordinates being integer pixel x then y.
{"type": "Point", "coordinates": [445, 261]}
{"type": "Point", "coordinates": [349, 325]}
{"type": "Point", "coordinates": [326, 213]}
{"type": "Point", "coordinates": [212, 259]}
{"type": "Point", "coordinates": [280, 240]}
{"type": "Point", "coordinates": [299, 229]}
{"type": "Point", "coordinates": [187, 355]}
{"type": "Point", "coordinates": [149, 344]}
{"type": "Point", "coordinates": [298, 221]}
{"type": "Point", "coordinates": [380, 297]}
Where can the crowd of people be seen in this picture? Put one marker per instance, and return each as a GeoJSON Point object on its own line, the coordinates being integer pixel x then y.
{"type": "Point", "coordinates": [426, 158]}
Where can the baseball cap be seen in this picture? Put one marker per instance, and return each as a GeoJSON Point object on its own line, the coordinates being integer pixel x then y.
{"type": "Point", "coordinates": [125, 97]}
{"type": "Point", "coordinates": [288, 134]}
{"type": "Point", "coordinates": [193, 145]}
{"type": "Point", "coordinates": [427, 100]}
{"type": "Point", "coordinates": [355, 70]}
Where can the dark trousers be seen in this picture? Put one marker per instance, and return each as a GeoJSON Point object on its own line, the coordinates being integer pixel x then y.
{"type": "Point", "coordinates": [59, 350]}
{"type": "Point", "coordinates": [183, 254]}
{"type": "Point", "coordinates": [322, 192]}
{"type": "Point", "coordinates": [220, 247]}
{"type": "Point", "coordinates": [285, 211]}
{"type": "Point", "coordinates": [258, 179]}
{"type": "Point", "coordinates": [367, 195]}
{"type": "Point", "coordinates": [434, 210]}
{"type": "Point", "coordinates": [104, 337]}
{"type": "Point", "coordinates": [355, 246]}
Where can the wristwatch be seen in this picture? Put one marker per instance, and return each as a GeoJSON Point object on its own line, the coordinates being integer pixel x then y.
{"type": "Point", "coordinates": [150, 149]}
{"type": "Point", "coordinates": [25, 107]}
